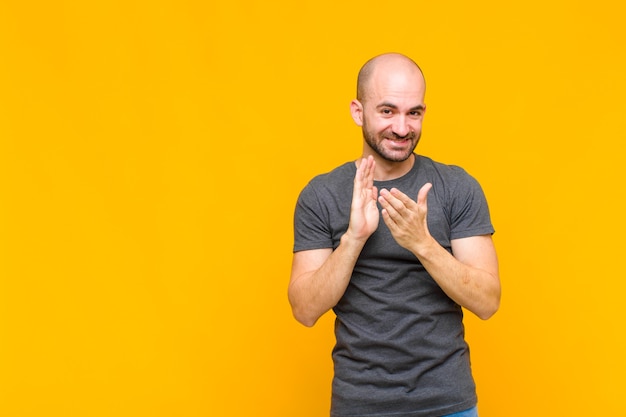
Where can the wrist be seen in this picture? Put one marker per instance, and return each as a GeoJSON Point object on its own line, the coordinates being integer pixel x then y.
{"type": "Point", "coordinates": [426, 248]}
{"type": "Point", "coordinates": [350, 239]}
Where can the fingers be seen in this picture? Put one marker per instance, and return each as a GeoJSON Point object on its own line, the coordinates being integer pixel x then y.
{"type": "Point", "coordinates": [364, 170]}
{"type": "Point", "coordinates": [396, 202]}
{"type": "Point", "coordinates": [364, 178]}
{"type": "Point", "coordinates": [396, 196]}
{"type": "Point", "coordinates": [393, 205]}
{"type": "Point", "coordinates": [364, 193]}
{"type": "Point", "coordinates": [367, 166]}
{"type": "Point", "coordinates": [405, 218]}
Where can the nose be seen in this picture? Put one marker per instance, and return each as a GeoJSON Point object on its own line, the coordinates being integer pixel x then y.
{"type": "Point", "coordinates": [401, 127]}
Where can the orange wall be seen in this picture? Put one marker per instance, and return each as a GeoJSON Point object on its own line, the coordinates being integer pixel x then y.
{"type": "Point", "coordinates": [151, 153]}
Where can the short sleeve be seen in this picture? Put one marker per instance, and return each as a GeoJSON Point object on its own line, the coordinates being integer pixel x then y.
{"type": "Point", "coordinates": [469, 212]}
{"type": "Point", "coordinates": [311, 222]}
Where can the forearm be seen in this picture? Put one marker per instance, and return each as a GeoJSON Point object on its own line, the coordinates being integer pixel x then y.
{"type": "Point", "coordinates": [313, 292]}
{"type": "Point", "coordinates": [475, 288]}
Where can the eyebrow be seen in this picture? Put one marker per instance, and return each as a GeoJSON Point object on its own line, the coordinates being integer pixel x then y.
{"type": "Point", "coordinates": [393, 106]}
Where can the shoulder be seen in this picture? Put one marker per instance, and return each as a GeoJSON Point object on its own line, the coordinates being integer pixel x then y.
{"type": "Point", "coordinates": [337, 179]}
{"type": "Point", "coordinates": [441, 168]}
{"type": "Point", "coordinates": [329, 189]}
{"type": "Point", "coordinates": [446, 175]}
{"type": "Point", "coordinates": [457, 189]}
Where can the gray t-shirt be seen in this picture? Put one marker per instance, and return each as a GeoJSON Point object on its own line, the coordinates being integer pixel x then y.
{"type": "Point", "coordinates": [400, 349]}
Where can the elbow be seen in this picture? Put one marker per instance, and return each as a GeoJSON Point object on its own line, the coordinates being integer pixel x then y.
{"type": "Point", "coordinates": [487, 314]}
{"type": "Point", "coordinates": [303, 315]}
{"type": "Point", "coordinates": [491, 303]}
{"type": "Point", "coordinates": [305, 320]}
{"type": "Point", "coordinates": [489, 310]}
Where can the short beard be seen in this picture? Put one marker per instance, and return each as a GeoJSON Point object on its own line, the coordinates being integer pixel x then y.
{"type": "Point", "coordinates": [371, 140]}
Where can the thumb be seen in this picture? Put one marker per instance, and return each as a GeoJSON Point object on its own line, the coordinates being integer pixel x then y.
{"type": "Point", "coordinates": [423, 193]}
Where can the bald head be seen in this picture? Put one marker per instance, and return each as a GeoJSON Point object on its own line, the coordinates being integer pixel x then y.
{"type": "Point", "coordinates": [385, 65]}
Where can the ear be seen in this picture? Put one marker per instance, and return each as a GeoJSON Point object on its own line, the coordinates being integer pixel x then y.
{"type": "Point", "coordinates": [356, 110]}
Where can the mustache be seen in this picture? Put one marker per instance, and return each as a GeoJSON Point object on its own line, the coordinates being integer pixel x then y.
{"type": "Point", "coordinates": [395, 136]}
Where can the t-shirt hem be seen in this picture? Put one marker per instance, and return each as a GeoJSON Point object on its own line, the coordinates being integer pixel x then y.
{"type": "Point", "coordinates": [312, 246]}
{"type": "Point", "coordinates": [457, 408]}
{"type": "Point", "coordinates": [472, 232]}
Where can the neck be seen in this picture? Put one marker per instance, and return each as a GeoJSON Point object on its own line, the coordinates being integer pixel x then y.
{"type": "Point", "coordinates": [388, 170]}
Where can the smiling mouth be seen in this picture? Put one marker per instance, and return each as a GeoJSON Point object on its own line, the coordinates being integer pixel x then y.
{"type": "Point", "coordinates": [399, 140]}
{"type": "Point", "coordinates": [395, 138]}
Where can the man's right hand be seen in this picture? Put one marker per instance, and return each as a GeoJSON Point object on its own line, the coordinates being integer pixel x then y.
{"type": "Point", "coordinates": [364, 214]}
{"type": "Point", "coordinates": [319, 277]}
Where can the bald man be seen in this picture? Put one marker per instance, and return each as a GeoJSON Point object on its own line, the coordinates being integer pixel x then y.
{"type": "Point", "coordinates": [397, 287]}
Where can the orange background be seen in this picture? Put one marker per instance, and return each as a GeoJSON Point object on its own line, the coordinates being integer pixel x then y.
{"type": "Point", "coordinates": [151, 153]}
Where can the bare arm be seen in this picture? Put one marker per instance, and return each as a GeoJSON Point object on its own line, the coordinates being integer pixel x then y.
{"type": "Point", "coordinates": [320, 277]}
{"type": "Point", "coordinates": [469, 275]}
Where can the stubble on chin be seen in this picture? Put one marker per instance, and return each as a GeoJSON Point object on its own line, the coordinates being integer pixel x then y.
{"type": "Point", "coordinates": [375, 143]}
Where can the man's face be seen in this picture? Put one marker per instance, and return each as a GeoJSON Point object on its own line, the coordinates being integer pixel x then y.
{"type": "Point", "coordinates": [391, 115]}
{"type": "Point", "coordinates": [383, 132]}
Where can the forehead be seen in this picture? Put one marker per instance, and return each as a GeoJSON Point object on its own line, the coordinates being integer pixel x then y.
{"type": "Point", "coordinates": [405, 85]}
